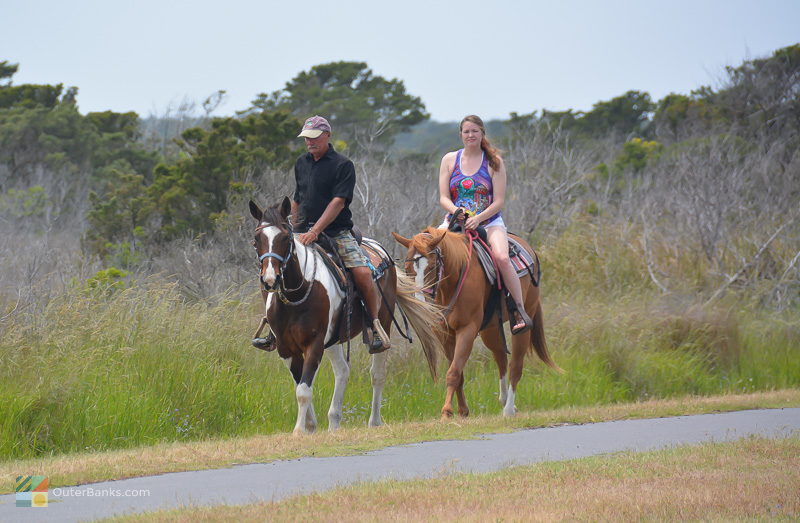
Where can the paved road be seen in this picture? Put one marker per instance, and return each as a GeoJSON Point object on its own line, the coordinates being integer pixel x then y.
{"type": "Point", "coordinates": [280, 479]}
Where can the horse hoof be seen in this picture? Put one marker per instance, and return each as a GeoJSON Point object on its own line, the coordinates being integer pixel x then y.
{"type": "Point", "coordinates": [510, 413]}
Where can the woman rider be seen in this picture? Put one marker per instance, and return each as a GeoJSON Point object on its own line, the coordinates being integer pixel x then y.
{"type": "Point", "coordinates": [474, 179]}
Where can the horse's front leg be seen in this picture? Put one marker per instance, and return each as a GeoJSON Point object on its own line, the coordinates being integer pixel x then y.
{"type": "Point", "coordinates": [306, 418]}
{"type": "Point", "coordinates": [341, 374]}
{"type": "Point", "coordinates": [378, 372]}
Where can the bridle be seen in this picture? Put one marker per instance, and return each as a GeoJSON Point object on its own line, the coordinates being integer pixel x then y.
{"type": "Point", "coordinates": [430, 291]}
{"type": "Point", "coordinates": [280, 285]}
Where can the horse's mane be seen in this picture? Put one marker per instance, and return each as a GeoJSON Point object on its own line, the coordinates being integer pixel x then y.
{"type": "Point", "coordinates": [454, 249]}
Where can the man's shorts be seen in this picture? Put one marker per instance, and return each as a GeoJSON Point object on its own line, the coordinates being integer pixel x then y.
{"type": "Point", "coordinates": [348, 249]}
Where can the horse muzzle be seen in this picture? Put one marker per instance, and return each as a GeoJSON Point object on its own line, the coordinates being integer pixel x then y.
{"type": "Point", "coordinates": [270, 286]}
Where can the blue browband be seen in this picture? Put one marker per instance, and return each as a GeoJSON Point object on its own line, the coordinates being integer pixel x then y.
{"type": "Point", "coordinates": [272, 255]}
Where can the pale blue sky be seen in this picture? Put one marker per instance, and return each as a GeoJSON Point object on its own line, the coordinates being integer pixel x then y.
{"type": "Point", "coordinates": [484, 57]}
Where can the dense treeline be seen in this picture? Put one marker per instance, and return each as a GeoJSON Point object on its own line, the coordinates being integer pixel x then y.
{"type": "Point", "coordinates": [713, 174]}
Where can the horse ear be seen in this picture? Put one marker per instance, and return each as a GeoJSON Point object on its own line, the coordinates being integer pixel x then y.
{"type": "Point", "coordinates": [436, 239]}
{"type": "Point", "coordinates": [405, 242]}
{"type": "Point", "coordinates": [257, 213]}
{"type": "Point", "coordinates": [286, 207]}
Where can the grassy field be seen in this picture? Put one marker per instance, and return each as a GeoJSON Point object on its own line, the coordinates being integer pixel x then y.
{"type": "Point", "coordinates": [144, 366]}
{"type": "Point", "coordinates": [748, 479]}
{"type": "Point", "coordinates": [101, 369]}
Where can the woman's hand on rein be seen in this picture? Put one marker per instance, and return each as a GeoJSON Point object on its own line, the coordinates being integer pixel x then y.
{"type": "Point", "coordinates": [472, 222]}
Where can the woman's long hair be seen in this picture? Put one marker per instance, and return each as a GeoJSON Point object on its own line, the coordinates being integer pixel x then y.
{"type": "Point", "coordinates": [492, 153]}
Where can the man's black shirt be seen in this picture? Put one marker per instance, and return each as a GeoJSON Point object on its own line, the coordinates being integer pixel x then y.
{"type": "Point", "coordinates": [319, 182]}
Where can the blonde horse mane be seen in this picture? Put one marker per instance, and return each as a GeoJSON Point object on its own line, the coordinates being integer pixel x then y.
{"type": "Point", "coordinates": [454, 248]}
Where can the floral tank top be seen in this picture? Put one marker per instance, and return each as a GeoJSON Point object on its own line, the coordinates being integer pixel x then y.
{"type": "Point", "coordinates": [473, 192]}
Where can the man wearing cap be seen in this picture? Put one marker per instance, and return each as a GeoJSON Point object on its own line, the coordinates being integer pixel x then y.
{"type": "Point", "coordinates": [325, 181]}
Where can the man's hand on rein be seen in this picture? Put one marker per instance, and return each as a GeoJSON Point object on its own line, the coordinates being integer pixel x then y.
{"type": "Point", "coordinates": [307, 237]}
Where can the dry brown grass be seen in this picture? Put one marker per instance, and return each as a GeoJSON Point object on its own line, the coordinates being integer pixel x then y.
{"type": "Point", "coordinates": [750, 478]}
{"type": "Point", "coordinates": [172, 457]}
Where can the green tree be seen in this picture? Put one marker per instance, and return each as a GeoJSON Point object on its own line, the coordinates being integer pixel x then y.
{"type": "Point", "coordinates": [118, 139]}
{"type": "Point", "coordinates": [118, 218]}
{"type": "Point", "coordinates": [678, 115]}
{"type": "Point", "coordinates": [762, 94]}
{"type": "Point", "coordinates": [189, 194]}
{"type": "Point", "coordinates": [362, 107]}
{"type": "Point", "coordinates": [7, 70]}
{"type": "Point", "coordinates": [624, 115]}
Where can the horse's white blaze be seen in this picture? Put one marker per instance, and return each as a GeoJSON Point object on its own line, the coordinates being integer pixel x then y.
{"type": "Point", "coordinates": [268, 276]}
{"type": "Point", "coordinates": [341, 374]}
{"type": "Point", "coordinates": [503, 389]}
{"type": "Point", "coordinates": [420, 266]}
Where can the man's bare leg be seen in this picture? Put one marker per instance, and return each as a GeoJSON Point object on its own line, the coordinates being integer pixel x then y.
{"type": "Point", "coordinates": [362, 277]}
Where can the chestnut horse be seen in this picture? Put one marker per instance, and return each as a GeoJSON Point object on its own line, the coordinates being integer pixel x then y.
{"type": "Point", "coordinates": [304, 306]}
{"type": "Point", "coordinates": [437, 258]}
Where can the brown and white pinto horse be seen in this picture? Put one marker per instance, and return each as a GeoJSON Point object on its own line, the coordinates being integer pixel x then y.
{"type": "Point", "coordinates": [436, 259]}
{"type": "Point", "coordinates": [303, 307]}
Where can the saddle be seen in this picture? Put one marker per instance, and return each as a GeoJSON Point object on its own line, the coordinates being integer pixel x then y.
{"type": "Point", "coordinates": [324, 245]}
{"type": "Point", "coordinates": [333, 261]}
{"type": "Point", "coordinates": [521, 259]}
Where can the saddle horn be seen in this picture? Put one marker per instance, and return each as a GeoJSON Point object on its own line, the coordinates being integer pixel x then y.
{"type": "Point", "coordinates": [455, 219]}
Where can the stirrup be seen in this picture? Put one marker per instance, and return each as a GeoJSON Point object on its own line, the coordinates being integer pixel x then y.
{"type": "Point", "coordinates": [380, 340]}
{"type": "Point", "coordinates": [267, 344]}
{"type": "Point", "coordinates": [525, 319]}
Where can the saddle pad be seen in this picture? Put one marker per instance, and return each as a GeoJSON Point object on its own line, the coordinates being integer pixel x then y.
{"type": "Point", "coordinates": [520, 258]}
{"type": "Point", "coordinates": [377, 259]}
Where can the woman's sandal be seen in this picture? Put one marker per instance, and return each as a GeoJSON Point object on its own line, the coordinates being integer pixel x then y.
{"type": "Point", "coordinates": [522, 315]}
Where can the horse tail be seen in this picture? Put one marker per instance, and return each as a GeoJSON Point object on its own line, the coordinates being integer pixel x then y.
{"type": "Point", "coordinates": [426, 319]}
{"type": "Point", "coordinates": [538, 341]}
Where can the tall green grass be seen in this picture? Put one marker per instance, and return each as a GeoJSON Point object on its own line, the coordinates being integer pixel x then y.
{"type": "Point", "coordinates": [102, 370]}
